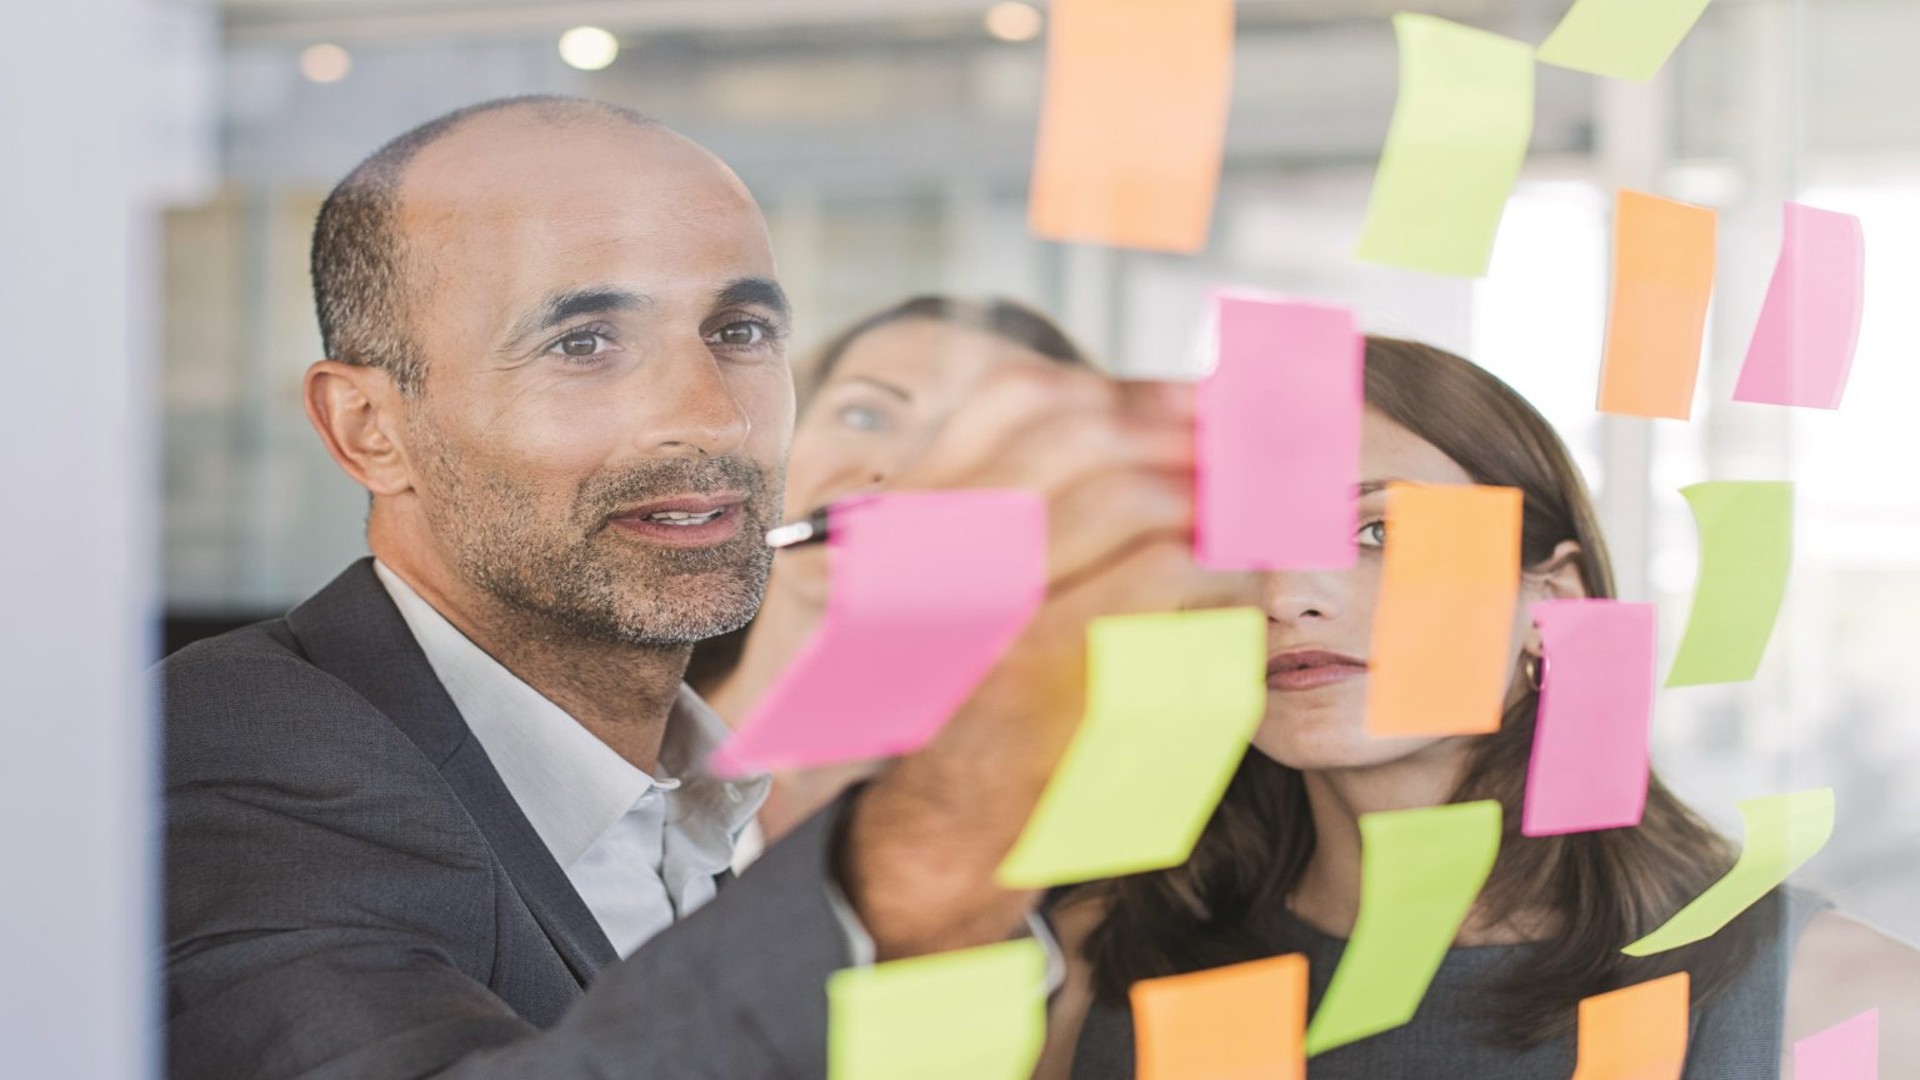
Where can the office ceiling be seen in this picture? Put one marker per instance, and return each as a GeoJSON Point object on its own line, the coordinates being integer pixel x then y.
{"type": "Point", "coordinates": [293, 20]}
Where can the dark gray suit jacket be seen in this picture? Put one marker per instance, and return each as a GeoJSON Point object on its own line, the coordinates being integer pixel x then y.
{"type": "Point", "coordinates": [352, 893]}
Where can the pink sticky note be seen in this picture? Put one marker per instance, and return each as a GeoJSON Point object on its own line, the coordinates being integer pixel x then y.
{"type": "Point", "coordinates": [1589, 766]}
{"type": "Point", "coordinates": [1277, 426]}
{"type": "Point", "coordinates": [926, 590]}
{"type": "Point", "coordinates": [1803, 344]}
{"type": "Point", "coordinates": [1849, 1050]}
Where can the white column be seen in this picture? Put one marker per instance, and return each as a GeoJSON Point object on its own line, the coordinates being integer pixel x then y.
{"type": "Point", "coordinates": [1631, 125]}
{"type": "Point", "coordinates": [77, 536]}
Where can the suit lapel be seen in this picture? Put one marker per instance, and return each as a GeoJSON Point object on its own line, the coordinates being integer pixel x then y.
{"type": "Point", "coordinates": [352, 630]}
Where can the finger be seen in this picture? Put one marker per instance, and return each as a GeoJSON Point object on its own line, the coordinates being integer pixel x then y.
{"type": "Point", "coordinates": [1005, 407]}
{"type": "Point", "coordinates": [1091, 523]}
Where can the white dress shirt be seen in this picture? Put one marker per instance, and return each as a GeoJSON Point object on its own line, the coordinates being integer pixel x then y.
{"type": "Point", "coordinates": [641, 850]}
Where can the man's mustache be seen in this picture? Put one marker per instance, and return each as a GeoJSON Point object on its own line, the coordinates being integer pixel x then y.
{"type": "Point", "coordinates": [603, 497]}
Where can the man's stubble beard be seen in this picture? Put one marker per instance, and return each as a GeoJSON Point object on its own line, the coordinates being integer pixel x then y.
{"type": "Point", "coordinates": [573, 575]}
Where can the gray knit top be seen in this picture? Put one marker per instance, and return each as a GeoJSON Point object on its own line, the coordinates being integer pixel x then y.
{"type": "Point", "coordinates": [1735, 1036]}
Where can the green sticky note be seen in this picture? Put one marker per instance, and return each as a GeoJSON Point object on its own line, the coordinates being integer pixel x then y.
{"type": "Point", "coordinates": [1627, 39]}
{"type": "Point", "coordinates": [1420, 871]}
{"type": "Point", "coordinates": [1459, 135]}
{"type": "Point", "coordinates": [1171, 701]}
{"type": "Point", "coordinates": [974, 1014]}
{"type": "Point", "coordinates": [1746, 549]}
{"type": "Point", "coordinates": [1783, 831]}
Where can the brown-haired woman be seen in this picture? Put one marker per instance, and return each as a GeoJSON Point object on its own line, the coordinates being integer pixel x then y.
{"type": "Point", "coordinates": [1277, 869]}
{"type": "Point", "coordinates": [873, 397]}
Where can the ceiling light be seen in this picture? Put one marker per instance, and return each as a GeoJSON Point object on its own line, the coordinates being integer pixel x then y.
{"type": "Point", "coordinates": [325, 63]}
{"type": "Point", "coordinates": [588, 48]}
{"type": "Point", "coordinates": [1013, 21]}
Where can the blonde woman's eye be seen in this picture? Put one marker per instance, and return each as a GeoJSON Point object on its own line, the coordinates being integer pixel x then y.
{"type": "Point", "coordinates": [1373, 534]}
{"type": "Point", "coordinates": [862, 418]}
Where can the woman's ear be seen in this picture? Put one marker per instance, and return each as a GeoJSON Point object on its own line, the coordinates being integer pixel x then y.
{"type": "Point", "coordinates": [1557, 577]}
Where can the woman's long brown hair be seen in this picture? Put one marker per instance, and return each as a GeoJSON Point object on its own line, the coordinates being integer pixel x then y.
{"type": "Point", "coordinates": [1607, 888]}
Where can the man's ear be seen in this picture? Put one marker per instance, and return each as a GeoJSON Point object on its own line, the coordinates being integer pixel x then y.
{"type": "Point", "coordinates": [1555, 578]}
{"type": "Point", "coordinates": [360, 415]}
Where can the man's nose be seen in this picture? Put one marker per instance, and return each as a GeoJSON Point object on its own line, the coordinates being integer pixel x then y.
{"type": "Point", "coordinates": [694, 412]}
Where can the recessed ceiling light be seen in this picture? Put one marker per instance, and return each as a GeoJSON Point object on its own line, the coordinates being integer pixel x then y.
{"type": "Point", "coordinates": [325, 63]}
{"type": "Point", "coordinates": [588, 48]}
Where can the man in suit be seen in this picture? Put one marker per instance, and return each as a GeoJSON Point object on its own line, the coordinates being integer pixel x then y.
{"type": "Point", "coordinates": [446, 818]}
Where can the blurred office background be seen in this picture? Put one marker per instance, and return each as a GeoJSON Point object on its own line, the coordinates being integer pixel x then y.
{"type": "Point", "coordinates": [889, 141]}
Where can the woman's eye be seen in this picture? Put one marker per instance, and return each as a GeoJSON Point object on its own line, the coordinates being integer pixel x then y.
{"type": "Point", "coordinates": [1373, 534]}
{"type": "Point", "coordinates": [583, 343]}
{"type": "Point", "coordinates": [862, 418]}
{"type": "Point", "coordinates": [741, 334]}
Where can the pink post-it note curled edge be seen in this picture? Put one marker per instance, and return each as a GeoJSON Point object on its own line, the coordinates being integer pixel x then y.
{"type": "Point", "coordinates": [1589, 764]}
{"type": "Point", "coordinates": [926, 591]}
{"type": "Point", "coordinates": [1277, 437]}
{"type": "Point", "coordinates": [1849, 1050]}
{"type": "Point", "coordinates": [1803, 344]}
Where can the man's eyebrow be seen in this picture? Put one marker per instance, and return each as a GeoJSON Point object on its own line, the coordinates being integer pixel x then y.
{"type": "Point", "coordinates": [570, 304]}
{"type": "Point", "coordinates": [754, 291]}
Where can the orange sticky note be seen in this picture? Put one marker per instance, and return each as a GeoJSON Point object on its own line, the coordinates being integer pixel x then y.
{"type": "Point", "coordinates": [1134, 122]}
{"type": "Point", "coordinates": [1638, 1032]}
{"type": "Point", "coordinates": [1243, 1022]}
{"type": "Point", "coordinates": [1663, 255]}
{"type": "Point", "coordinates": [1441, 656]}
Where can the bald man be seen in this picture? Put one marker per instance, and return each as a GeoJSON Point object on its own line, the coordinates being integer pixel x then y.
{"type": "Point", "coordinates": [447, 818]}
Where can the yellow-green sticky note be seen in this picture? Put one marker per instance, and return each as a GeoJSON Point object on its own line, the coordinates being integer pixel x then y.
{"type": "Point", "coordinates": [1171, 701]}
{"type": "Point", "coordinates": [1626, 39]}
{"type": "Point", "coordinates": [1783, 831]}
{"type": "Point", "coordinates": [1459, 135]}
{"type": "Point", "coordinates": [973, 1014]}
{"type": "Point", "coordinates": [1746, 549]}
{"type": "Point", "coordinates": [1420, 871]}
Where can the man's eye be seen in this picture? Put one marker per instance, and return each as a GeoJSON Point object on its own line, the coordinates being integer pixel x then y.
{"type": "Point", "coordinates": [741, 334]}
{"type": "Point", "coordinates": [1373, 534]}
{"type": "Point", "coordinates": [862, 418]}
{"type": "Point", "coordinates": [584, 343]}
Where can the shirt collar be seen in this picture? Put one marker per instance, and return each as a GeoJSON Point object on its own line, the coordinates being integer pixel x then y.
{"type": "Point", "coordinates": [571, 786]}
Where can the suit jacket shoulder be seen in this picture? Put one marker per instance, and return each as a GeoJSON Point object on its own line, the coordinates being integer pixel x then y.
{"type": "Point", "coordinates": [352, 893]}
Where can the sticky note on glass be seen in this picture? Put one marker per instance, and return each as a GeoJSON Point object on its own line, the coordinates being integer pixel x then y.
{"type": "Point", "coordinates": [1624, 39]}
{"type": "Point", "coordinates": [1803, 345]}
{"type": "Point", "coordinates": [1239, 1022]}
{"type": "Point", "coordinates": [1420, 871]}
{"type": "Point", "coordinates": [1459, 135]}
{"type": "Point", "coordinates": [905, 638]}
{"type": "Point", "coordinates": [1134, 123]}
{"type": "Point", "coordinates": [1849, 1050]}
{"type": "Point", "coordinates": [1171, 701]}
{"type": "Point", "coordinates": [1637, 1032]}
{"type": "Point", "coordinates": [1746, 549]}
{"type": "Point", "coordinates": [975, 1014]}
{"type": "Point", "coordinates": [1277, 433]}
{"type": "Point", "coordinates": [1597, 679]}
{"type": "Point", "coordinates": [1783, 831]}
{"type": "Point", "coordinates": [1663, 258]}
{"type": "Point", "coordinates": [1441, 657]}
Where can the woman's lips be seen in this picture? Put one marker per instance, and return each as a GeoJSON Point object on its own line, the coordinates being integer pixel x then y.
{"type": "Point", "coordinates": [1307, 669]}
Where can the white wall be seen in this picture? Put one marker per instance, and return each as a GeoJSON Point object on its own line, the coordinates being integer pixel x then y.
{"type": "Point", "coordinates": [77, 951]}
